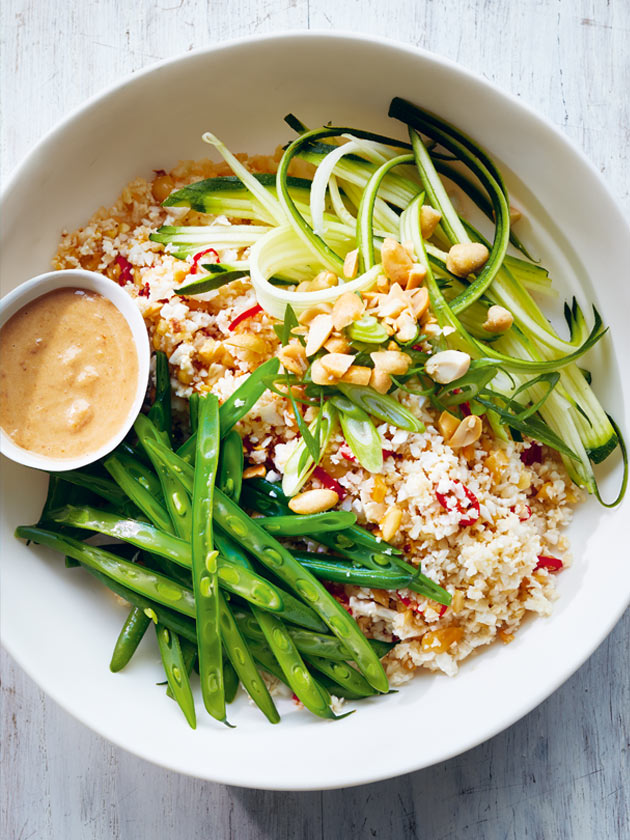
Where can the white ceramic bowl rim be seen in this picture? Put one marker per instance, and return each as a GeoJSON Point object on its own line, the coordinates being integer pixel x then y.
{"type": "Point", "coordinates": [407, 760]}
{"type": "Point", "coordinates": [91, 281]}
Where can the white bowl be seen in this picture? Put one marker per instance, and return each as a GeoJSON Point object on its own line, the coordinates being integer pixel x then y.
{"type": "Point", "coordinates": [79, 279]}
{"type": "Point", "coordinates": [60, 625]}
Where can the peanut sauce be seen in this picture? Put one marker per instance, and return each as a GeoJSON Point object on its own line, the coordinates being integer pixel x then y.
{"type": "Point", "coordinates": [68, 373]}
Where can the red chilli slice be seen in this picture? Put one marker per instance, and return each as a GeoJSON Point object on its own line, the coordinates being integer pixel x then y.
{"type": "Point", "coordinates": [467, 519]}
{"type": "Point", "coordinates": [195, 263]}
{"type": "Point", "coordinates": [552, 564]}
{"type": "Point", "coordinates": [249, 313]}
{"type": "Point", "coordinates": [126, 270]}
{"type": "Point", "coordinates": [328, 481]}
{"type": "Point", "coordinates": [413, 605]}
{"type": "Point", "coordinates": [346, 452]}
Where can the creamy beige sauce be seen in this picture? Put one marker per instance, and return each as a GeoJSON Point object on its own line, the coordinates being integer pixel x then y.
{"type": "Point", "coordinates": [68, 373]}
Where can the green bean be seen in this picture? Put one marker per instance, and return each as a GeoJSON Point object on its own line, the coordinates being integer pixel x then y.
{"type": "Point", "coordinates": [144, 581]}
{"type": "Point", "coordinates": [188, 448]}
{"type": "Point", "coordinates": [141, 534]}
{"type": "Point", "coordinates": [178, 502]}
{"type": "Point", "coordinates": [193, 409]}
{"type": "Point", "coordinates": [230, 476]}
{"type": "Point", "coordinates": [335, 688]}
{"type": "Point", "coordinates": [343, 674]}
{"type": "Point", "coordinates": [176, 673]}
{"type": "Point", "coordinates": [299, 525]}
{"type": "Point", "coordinates": [264, 657]}
{"type": "Point", "coordinates": [297, 674]}
{"type": "Point", "coordinates": [146, 494]}
{"type": "Point", "coordinates": [130, 636]}
{"type": "Point", "coordinates": [184, 627]}
{"type": "Point", "coordinates": [292, 610]}
{"type": "Point", "coordinates": [205, 560]}
{"type": "Point", "coordinates": [234, 575]}
{"type": "Point", "coordinates": [243, 662]}
{"type": "Point", "coordinates": [103, 487]}
{"type": "Point", "coordinates": [306, 641]}
{"type": "Point", "coordinates": [160, 412]}
{"type": "Point", "coordinates": [237, 405]}
{"type": "Point", "coordinates": [325, 567]}
{"type": "Point", "coordinates": [230, 680]}
{"type": "Point", "coordinates": [189, 653]}
{"type": "Point", "coordinates": [276, 557]}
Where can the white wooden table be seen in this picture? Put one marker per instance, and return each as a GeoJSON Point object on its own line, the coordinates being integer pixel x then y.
{"type": "Point", "coordinates": [563, 771]}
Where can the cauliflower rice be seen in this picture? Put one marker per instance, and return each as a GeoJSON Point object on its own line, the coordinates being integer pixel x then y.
{"type": "Point", "coordinates": [489, 567]}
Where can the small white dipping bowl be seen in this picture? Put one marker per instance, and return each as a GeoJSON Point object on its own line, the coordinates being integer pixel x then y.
{"type": "Point", "coordinates": [77, 278]}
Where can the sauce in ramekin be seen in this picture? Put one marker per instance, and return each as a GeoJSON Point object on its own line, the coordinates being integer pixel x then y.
{"type": "Point", "coordinates": [68, 373]}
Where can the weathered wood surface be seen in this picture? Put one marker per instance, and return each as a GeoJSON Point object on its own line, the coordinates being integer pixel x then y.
{"type": "Point", "coordinates": [563, 771]}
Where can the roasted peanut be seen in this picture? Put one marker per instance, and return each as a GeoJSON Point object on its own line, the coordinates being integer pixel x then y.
{"type": "Point", "coordinates": [467, 432]}
{"type": "Point", "coordinates": [498, 319]}
{"type": "Point", "coordinates": [466, 257]}
{"type": "Point", "coordinates": [447, 366]}
{"type": "Point", "coordinates": [314, 501]}
{"type": "Point", "coordinates": [347, 309]}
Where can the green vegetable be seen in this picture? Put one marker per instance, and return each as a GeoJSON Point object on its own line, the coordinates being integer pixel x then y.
{"type": "Point", "coordinates": [381, 406]}
{"type": "Point", "coordinates": [130, 636]}
{"type": "Point", "coordinates": [205, 560]}
{"type": "Point", "coordinates": [176, 672]}
{"type": "Point", "coordinates": [304, 524]}
{"type": "Point", "coordinates": [360, 434]}
{"type": "Point", "coordinates": [230, 477]}
{"type": "Point", "coordinates": [279, 560]}
{"type": "Point", "coordinates": [297, 674]}
{"type": "Point", "coordinates": [160, 412]}
{"type": "Point", "coordinates": [243, 663]}
{"type": "Point", "coordinates": [326, 567]}
{"type": "Point", "coordinates": [142, 487]}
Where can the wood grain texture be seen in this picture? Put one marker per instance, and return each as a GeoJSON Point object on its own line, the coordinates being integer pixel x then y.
{"type": "Point", "coordinates": [562, 771]}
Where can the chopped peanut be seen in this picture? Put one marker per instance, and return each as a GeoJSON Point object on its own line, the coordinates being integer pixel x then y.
{"type": "Point", "coordinates": [515, 215]}
{"type": "Point", "coordinates": [420, 302]}
{"type": "Point", "coordinates": [380, 381]}
{"type": "Point", "coordinates": [323, 280]}
{"type": "Point", "coordinates": [314, 501]}
{"type": "Point", "coordinates": [310, 314]}
{"type": "Point", "coordinates": [457, 601]}
{"type": "Point", "coordinates": [439, 641]}
{"type": "Point", "coordinates": [347, 309]}
{"type": "Point", "coordinates": [246, 341]}
{"type": "Point", "coordinates": [337, 344]}
{"type": "Point", "coordinates": [416, 276]}
{"type": "Point", "coordinates": [467, 432]}
{"type": "Point", "coordinates": [320, 375]}
{"type": "Point", "coordinates": [293, 357]}
{"type": "Point", "coordinates": [429, 220]}
{"type": "Point", "coordinates": [162, 187]}
{"type": "Point", "coordinates": [546, 493]}
{"type": "Point", "coordinates": [258, 471]}
{"type": "Point", "coordinates": [391, 361]}
{"type": "Point", "coordinates": [525, 480]}
{"type": "Point", "coordinates": [498, 320]}
{"type": "Point", "coordinates": [357, 375]}
{"type": "Point", "coordinates": [351, 264]}
{"type": "Point", "coordinates": [336, 364]}
{"type": "Point", "coordinates": [396, 261]}
{"type": "Point", "coordinates": [379, 490]}
{"type": "Point", "coordinates": [496, 462]}
{"type": "Point", "coordinates": [406, 326]}
{"type": "Point", "coordinates": [319, 331]}
{"type": "Point", "coordinates": [447, 423]}
{"type": "Point", "coordinates": [466, 257]}
{"type": "Point", "coordinates": [447, 366]}
{"type": "Point", "coordinates": [391, 523]}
